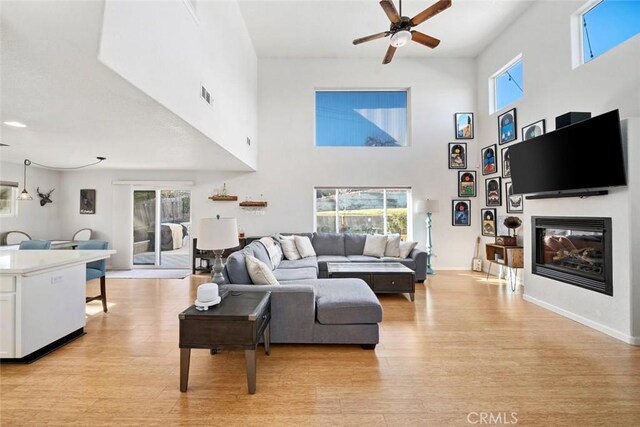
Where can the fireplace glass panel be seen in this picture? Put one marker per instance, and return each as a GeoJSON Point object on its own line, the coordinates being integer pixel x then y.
{"type": "Point", "coordinates": [574, 250]}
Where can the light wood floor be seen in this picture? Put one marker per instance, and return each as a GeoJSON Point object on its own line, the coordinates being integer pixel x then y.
{"type": "Point", "coordinates": [466, 346]}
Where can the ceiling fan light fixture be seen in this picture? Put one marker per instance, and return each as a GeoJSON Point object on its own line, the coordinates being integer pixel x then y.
{"type": "Point", "coordinates": [400, 38]}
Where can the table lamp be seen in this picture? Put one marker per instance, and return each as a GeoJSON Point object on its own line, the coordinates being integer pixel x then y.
{"type": "Point", "coordinates": [217, 234]}
{"type": "Point", "coordinates": [428, 206]}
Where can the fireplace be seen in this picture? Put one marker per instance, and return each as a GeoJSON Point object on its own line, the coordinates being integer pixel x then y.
{"type": "Point", "coordinates": [573, 250]}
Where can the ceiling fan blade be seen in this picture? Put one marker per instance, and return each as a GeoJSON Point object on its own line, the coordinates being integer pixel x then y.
{"type": "Point", "coordinates": [371, 37]}
{"type": "Point", "coordinates": [391, 11]}
{"type": "Point", "coordinates": [424, 39]}
{"type": "Point", "coordinates": [389, 55]}
{"type": "Point", "coordinates": [432, 10]}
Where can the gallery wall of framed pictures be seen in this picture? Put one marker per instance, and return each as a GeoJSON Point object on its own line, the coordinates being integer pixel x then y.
{"type": "Point", "coordinates": [495, 167]}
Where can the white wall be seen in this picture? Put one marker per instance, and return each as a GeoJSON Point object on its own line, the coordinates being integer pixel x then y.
{"type": "Point", "coordinates": [551, 88]}
{"type": "Point", "coordinates": [40, 222]}
{"type": "Point", "coordinates": [162, 50]}
{"type": "Point", "coordinates": [290, 165]}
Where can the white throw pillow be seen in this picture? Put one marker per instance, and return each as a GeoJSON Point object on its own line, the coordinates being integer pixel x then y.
{"type": "Point", "coordinates": [275, 254]}
{"type": "Point", "coordinates": [259, 272]}
{"type": "Point", "coordinates": [375, 246]}
{"type": "Point", "coordinates": [393, 246]}
{"type": "Point", "coordinates": [406, 248]}
{"type": "Point", "coordinates": [289, 248]}
{"type": "Point", "coordinates": [304, 246]}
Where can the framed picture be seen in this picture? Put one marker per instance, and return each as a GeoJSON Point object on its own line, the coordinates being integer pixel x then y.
{"type": "Point", "coordinates": [464, 125]}
{"type": "Point", "coordinates": [489, 160]}
{"type": "Point", "coordinates": [457, 155]}
{"type": "Point", "coordinates": [460, 212]}
{"type": "Point", "coordinates": [515, 202]}
{"type": "Point", "coordinates": [467, 184]}
{"type": "Point", "coordinates": [87, 201]}
{"type": "Point", "coordinates": [507, 130]}
{"type": "Point", "coordinates": [493, 191]}
{"type": "Point", "coordinates": [488, 222]}
{"type": "Point", "coordinates": [533, 130]}
{"type": "Point", "coordinates": [506, 163]}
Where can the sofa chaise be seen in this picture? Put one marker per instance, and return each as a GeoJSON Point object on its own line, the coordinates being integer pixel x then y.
{"type": "Point", "coordinates": [306, 306]}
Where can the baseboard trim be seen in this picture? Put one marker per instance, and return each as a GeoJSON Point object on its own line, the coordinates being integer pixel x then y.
{"type": "Point", "coordinates": [583, 320]}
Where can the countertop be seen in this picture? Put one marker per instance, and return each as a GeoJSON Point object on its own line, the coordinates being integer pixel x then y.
{"type": "Point", "coordinates": [33, 261]}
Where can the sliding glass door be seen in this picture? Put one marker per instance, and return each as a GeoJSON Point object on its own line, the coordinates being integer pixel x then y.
{"type": "Point", "coordinates": [161, 225]}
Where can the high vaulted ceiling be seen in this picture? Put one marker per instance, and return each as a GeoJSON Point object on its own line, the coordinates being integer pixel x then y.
{"type": "Point", "coordinates": [325, 28]}
{"type": "Point", "coordinates": [77, 108]}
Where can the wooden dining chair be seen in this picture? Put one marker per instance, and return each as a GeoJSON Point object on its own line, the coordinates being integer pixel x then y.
{"type": "Point", "coordinates": [15, 237]}
{"type": "Point", "coordinates": [97, 270]}
{"type": "Point", "coordinates": [83, 234]}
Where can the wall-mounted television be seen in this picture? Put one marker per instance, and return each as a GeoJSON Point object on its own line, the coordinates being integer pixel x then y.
{"type": "Point", "coordinates": [582, 156]}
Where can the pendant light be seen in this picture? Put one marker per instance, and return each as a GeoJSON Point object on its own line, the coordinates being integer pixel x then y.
{"type": "Point", "coordinates": [25, 194]}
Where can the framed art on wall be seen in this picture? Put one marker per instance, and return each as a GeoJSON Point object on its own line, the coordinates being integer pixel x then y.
{"type": "Point", "coordinates": [507, 126]}
{"type": "Point", "coordinates": [533, 130]}
{"type": "Point", "coordinates": [464, 125]}
{"type": "Point", "coordinates": [467, 184]}
{"type": "Point", "coordinates": [460, 212]}
{"type": "Point", "coordinates": [506, 163]}
{"type": "Point", "coordinates": [87, 201]}
{"type": "Point", "coordinates": [457, 155]}
{"type": "Point", "coordinates": [489, 161]}
{"type": "Point", "coordinates": [515, 202]}
{"type": "Point", "coordinates": [493, 191]}
{"type": "Point", "coordinates": [488, 222]}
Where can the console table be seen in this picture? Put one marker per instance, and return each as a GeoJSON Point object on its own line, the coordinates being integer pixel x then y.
{"type": "Point", "coordinates": [237, 322]}
{"type": "Point", "coordinates": [511, 257]}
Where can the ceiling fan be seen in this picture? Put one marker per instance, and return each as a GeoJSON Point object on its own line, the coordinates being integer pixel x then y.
{"type": "Point", "coordinates": [401, 27]}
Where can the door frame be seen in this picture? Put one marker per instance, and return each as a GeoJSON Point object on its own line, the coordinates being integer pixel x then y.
{"type": "Point", "coordinates": [157, 236]}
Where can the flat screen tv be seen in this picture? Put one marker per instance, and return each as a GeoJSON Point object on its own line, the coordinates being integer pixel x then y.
{"type": "Point", "coordinates": [582, 156]}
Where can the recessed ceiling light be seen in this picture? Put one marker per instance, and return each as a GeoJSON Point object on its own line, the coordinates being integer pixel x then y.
{"type": "Point", "coordinates": [15, 124]}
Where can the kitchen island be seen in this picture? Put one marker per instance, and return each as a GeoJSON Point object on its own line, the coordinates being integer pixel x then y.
{"type": "Point", "coordinates": [42, 300]}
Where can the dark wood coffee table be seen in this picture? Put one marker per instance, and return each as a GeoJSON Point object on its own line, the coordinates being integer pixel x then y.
{"type": "Point", "coordinates": [382, 277]}
{"type": "Point", "coordinates": [237, 322]}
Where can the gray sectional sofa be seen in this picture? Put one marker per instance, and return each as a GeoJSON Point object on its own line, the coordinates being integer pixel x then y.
{"type": "Point", "coordinates": [307, 307]}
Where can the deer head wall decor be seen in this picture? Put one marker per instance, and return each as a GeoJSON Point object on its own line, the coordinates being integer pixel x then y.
{"type": "Point", "coordinates": [45, 197]}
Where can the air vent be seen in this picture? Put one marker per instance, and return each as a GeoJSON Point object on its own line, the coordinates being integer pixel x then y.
{"type": "Point", "coordinates": [205, 95]}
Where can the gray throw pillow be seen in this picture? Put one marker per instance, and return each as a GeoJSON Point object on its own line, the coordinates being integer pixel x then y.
{"type": "Point", "coordinates": [329, 244]}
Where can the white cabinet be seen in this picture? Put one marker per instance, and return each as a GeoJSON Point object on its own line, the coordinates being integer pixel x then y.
{"type": "Point", "coordinates": [7, 325]}
{"type": "Point", "coordinates": [42, 299]}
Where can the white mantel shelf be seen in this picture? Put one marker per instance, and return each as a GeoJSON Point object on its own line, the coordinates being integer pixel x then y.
{"type": "Point", "coordinates": [29, 262]}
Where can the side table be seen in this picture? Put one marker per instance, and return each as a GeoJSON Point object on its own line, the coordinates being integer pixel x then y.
{"type": "Point", "coordinates": [237, 322]}
{"type": "Point", "coordinates": [509, 256]}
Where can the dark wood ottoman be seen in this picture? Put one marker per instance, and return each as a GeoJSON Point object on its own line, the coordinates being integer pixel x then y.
{"type": "Point", "coordinates": [382, 277]}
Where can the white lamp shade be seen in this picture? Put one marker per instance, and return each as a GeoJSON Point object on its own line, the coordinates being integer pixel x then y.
{"type": "Point", "coordinates": [428, 205]}
{"type": "Point", "coordinates": [217, 233]}
{"type": "Point", "coordinates": [432, 206]}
